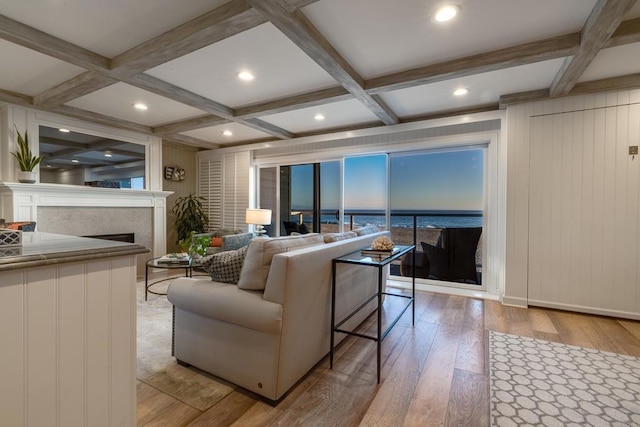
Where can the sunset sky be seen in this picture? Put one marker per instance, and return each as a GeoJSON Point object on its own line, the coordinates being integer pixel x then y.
{"type": "Point", "coordinates": [436, 181]}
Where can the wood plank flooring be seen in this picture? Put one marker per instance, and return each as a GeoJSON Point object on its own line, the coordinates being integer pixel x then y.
{"type": "Point", "coordinates": [433, 374]}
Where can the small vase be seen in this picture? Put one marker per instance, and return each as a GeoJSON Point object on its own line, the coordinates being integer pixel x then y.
{"type": "Point", "coordinates": [27, 177]}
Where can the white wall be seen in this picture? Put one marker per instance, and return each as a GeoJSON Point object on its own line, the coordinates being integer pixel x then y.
{"type": "Point", "coordinates": [573, 204]}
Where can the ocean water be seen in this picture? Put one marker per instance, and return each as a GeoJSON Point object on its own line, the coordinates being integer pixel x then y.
{"type": "Point", "coordinates": [425, 219]}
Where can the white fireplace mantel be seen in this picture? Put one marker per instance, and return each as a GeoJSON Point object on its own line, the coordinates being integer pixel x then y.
{"type": "Point", "coordinates": [20, 202]}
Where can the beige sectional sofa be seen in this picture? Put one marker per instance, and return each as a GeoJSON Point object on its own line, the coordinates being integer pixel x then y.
{"type": "Point", "coordinates": [269, 330]}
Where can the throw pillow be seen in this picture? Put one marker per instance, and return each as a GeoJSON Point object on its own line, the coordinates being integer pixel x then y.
{"type": "Point", "coordinates": [236, 241]}
{"type": "Point", "coordinates": [260, 253]}
{"type": "Point", "coordinates": [437, 260]}
{"type": "Point", "coordinates": [369, 229]}
{"type": "Point", "coordinates": [225, 266]}
{"type": "Point", "coordinates": [336, 237]}
{"type": "Point", "coordinates": [216, 242]}
{"type": "Point", "coordinates": [303, 229]}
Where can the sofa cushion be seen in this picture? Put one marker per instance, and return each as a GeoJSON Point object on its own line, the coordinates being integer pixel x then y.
{"type": "Point", "coordinates": [336, 237]}
{"type": "Point", "coordinates": [216, 242]}
{"type": "Point", "coordinates": [225, 232]}
{"type": "Point", "coordinates": [260, 252]}
{"type": "Point", "coordinates": [368, 229]}
{"type": "Point", "coordinates": [236, 241]}
{"type": "Point", "coordinates": [225, 266]}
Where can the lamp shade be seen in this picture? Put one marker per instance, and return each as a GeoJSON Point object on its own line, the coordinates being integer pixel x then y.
{"type": "Point", "coordinates": [258, 216]}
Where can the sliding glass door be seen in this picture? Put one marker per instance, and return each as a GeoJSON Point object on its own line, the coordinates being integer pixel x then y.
{"type": "Point", "coordinates": [437, 200]}
{"type": "Point", "coordinates": [434, 199]}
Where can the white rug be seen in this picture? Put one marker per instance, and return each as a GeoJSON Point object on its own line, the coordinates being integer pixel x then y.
{"type": "Point", "coordinates": [542, 383]}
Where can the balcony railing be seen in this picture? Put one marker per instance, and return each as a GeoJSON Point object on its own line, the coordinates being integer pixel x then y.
{"type": "Point", "coordinates": [407, 227]}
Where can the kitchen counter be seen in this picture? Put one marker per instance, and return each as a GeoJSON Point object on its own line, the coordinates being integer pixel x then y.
{"type": "Point", "coordinates": [40, 249]}
{"type": "Point", "coordinates": [68, 316]}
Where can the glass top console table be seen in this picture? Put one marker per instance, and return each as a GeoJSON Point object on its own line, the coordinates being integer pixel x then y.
{"type": "Point", "coordinates": [376, 262]}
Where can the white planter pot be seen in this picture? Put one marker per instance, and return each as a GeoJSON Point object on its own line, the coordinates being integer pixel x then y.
{"type": "Point", "coordinates": [28, 177]}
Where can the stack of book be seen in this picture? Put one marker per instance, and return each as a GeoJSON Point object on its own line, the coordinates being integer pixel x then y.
{"type": "Point", "coordinates": [378, 255]}
{"type": "Point", "coordinates": [175, 259]}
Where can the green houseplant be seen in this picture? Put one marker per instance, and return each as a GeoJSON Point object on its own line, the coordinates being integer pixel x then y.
{"type": "Point", "coordinates": [189, 216]}
{"type": "Point", "coordinates": [195, 245]}
{"type": "Point", "coordinates": [26, 160]}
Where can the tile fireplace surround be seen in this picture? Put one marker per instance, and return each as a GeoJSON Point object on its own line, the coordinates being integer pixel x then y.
{"type": "Point", "coordinates": [78, 211]}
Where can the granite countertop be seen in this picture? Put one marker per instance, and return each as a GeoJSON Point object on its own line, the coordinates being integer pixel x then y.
{"type": "Point", "coordinates": [40, 248]}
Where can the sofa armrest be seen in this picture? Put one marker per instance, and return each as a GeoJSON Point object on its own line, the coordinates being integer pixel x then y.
{"type": "Point", "coordinates": [225, 302]}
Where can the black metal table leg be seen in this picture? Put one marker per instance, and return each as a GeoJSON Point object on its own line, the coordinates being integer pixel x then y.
{"type": "Point", "coordinates": [333, 310]}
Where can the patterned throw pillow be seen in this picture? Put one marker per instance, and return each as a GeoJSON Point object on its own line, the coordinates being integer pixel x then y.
{"type": "Point", "coordinates": [225, 266]}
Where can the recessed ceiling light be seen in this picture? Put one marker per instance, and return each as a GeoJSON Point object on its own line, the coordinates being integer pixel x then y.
{"type": "Point", "coordinates": [446, 13]}
{"type": "Point", "coordinates": [74, 161]}
{"type": "Point", "coordinates": [227, 133]}
{"type": "Point", "coordinates": [461, 91]}
{"type": "Point", "coordinates": [107, 153]}
{"type": "Point", "coordinates": [140, 106]}
{"type": "Point", "coordinates": [245, 75]}
{"type": "Point", "coordinates": [64, 130]}
{"type": "Point", "coordinates": [318, 117]}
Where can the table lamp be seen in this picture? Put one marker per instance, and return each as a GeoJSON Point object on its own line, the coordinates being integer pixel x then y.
{"type": "Point", "coordinates": [259, 218]}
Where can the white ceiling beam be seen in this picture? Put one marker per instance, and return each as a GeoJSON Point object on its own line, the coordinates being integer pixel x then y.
{"type": "Point", "coordinates": [301, 31]}
{"type": "Point", "coordinates": [604, 19]}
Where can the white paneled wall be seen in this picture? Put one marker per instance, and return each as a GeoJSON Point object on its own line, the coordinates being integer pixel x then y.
{"type": "Point", "coordinates": [69, 344]}
{"type": "Point", "coordinates": [573, 204]}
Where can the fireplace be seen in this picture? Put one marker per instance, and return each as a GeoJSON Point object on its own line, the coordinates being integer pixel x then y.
{"type": "Point", "coordinates": [118, 237]}
{"type": "Point", "coordinates": [90, 211]}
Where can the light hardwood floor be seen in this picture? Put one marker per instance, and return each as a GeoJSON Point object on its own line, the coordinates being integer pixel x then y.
{"type": "Point", "coordinates": [433, 374]}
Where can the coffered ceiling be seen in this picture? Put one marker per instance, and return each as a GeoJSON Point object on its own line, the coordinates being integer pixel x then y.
{"type": "Point", "coordinates": [358, 63]}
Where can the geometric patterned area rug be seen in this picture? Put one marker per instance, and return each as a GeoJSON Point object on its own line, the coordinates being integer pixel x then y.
{"type": "Point", "coordinates": [541, 383]}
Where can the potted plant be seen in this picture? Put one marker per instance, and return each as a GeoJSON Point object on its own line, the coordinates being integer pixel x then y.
{"type": "Point", "coordinates": [26, 160]}
{"type": "Point", "coordinates": [195, 244]}
{"type": "Point", "coordinates": [189, 216]}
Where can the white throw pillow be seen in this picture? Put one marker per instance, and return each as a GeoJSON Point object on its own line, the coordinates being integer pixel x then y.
{"type": "Point", "coordinates": [255, 269]}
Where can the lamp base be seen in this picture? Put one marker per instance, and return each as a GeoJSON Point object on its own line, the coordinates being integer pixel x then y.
{"type": "Point", "coordinates": [260, 231]}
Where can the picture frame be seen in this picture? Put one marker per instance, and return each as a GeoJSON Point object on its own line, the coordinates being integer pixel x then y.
{"type": "Point", "coordinates": [168, 172]}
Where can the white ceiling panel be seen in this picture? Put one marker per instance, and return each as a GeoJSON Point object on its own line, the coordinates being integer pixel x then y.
{"type": "Point", "coordinates": [214, 134]}
{"type": "Point", "coordinates": [117, 101]}
{"type": "Point", "coordinates": [614, 62]}
{"type": "Point", "coordinates": [106, 27]}
{"type": "Point", "coordinates": [28, 72]}
{"type": "Point", "coordinates": [336, 115]}
{"type": "Point", "coordinates": [279, 66]}
{"type": "Point", "coordinates": [379, 37]}
{"type": "Point", "coordinates": [483, 89]}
